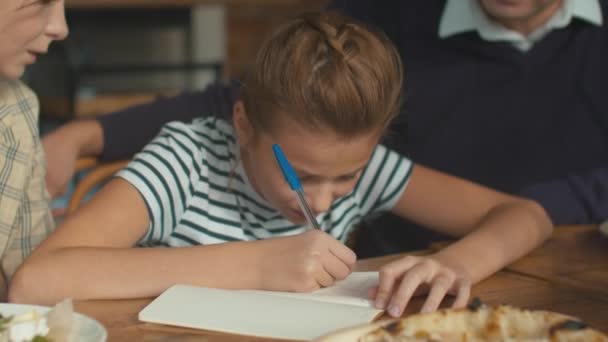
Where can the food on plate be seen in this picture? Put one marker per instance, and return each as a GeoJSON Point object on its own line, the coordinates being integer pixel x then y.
{"type": "Point", "coordinates": [479, 322]}
{"type": "Point", "coordinates": [34, 326]}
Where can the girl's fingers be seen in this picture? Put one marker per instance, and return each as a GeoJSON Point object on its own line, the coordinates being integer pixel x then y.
{"type": "Point", "coordinates": [388, 276]}
{"type": "Point", "coordinates": [371, 293]}
{"type": "Point", "coordinates": [401, 280]}
{"type": "Point", "coordinates": [463, 293]}
{"type": "Point", "coordinates": [324, 279]}
{"type": "Point", "coordinates": [410, 282]}
{"type": "Point", "coordinates": [439, 288]}
{"type": "Point", "coordinates": [336, 267]}
{"type": "Point", "coordinates": [343, 253]}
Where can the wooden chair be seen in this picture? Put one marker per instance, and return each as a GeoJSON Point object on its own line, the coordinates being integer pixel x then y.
{"type": "Point", "coordinates": [99, 172]}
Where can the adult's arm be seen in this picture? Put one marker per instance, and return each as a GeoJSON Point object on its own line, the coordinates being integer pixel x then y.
{"type": "Point", "coordinates": [576, 199]}
{"type": "Point", "coordinates": [126, 132]}
{"type": "Point", "coordinates": [121, 134]}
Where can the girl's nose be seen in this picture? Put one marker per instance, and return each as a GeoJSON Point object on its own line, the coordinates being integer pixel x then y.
{"type": "Point", "coordinates": [321, 199]}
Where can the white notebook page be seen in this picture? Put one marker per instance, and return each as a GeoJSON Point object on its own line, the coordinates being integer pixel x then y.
{"type": "Point", "coordinates": [259, 313]}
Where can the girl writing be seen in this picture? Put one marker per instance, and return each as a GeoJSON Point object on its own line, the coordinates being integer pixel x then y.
{"type": "Point", "coordinates": [324, 88]}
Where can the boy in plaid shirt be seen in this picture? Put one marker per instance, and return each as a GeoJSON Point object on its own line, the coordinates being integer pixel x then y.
{"type": "Point", "coordinates": [27, 27]}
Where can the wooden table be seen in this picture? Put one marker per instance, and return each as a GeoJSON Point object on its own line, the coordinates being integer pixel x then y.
{"type": "Point", "coordinates": [569, 274]}
{"type": "Point", "coordinates": [576, 257]}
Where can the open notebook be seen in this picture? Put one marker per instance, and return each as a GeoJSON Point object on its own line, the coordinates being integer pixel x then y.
{"type": "Point", "coordinates": [299, 316]}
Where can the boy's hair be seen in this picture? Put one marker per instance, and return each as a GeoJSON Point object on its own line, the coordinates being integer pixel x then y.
{"type": "Point", "coordinates": [324, 70]}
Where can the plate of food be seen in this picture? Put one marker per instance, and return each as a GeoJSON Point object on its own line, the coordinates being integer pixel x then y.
{"type": "Point", "coordinates": [19, 322]}
{"type": "Point", "coordinates": [475, 323]}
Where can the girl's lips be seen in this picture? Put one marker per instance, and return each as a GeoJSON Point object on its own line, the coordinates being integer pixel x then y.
{"type": "Point", "coordinates": [298, 215]}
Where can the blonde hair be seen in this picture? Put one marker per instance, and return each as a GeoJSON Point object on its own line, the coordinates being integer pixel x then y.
{"type": "Point", "coordinates": [324, 70]}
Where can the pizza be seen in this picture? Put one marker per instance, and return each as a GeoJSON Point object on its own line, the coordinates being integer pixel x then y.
{"type": "Point", "coordinates": [479, 322]}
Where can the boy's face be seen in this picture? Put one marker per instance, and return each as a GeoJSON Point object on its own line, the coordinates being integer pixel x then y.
{"type": "Point", "coordinates": [328, 166]}
{"type": "Point", "coordinates": [27, 27]}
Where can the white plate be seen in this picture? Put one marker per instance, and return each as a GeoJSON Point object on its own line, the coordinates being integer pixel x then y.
{"type": "Point", "coordinates": [89, 329]}
{"type": "Point", "coordinates": [604, 228]}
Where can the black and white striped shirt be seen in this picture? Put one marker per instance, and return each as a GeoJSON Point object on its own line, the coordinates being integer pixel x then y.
{"type": "Point", "coordinates": [197, 192]}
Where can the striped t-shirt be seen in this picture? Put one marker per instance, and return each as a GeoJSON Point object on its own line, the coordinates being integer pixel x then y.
{"type": "Point", "coordinates": [197, 191]}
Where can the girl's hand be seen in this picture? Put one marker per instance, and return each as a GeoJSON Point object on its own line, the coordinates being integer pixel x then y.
{"type": "Point", "coordinates": [411, 275]}
{"type": "Point", "coordinates": [305, 262]}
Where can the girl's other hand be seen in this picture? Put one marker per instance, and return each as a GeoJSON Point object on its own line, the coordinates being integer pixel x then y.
{"type": "Point", "coordinates": [400, 280]}
{"type": "Point", "coordinates": [304, 262]}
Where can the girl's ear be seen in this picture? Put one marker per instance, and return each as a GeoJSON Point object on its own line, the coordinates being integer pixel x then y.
{"type": "Point", "coordinates": [242, 126]}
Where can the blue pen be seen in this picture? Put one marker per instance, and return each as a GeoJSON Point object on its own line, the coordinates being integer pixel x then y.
{"type": "Point", "coordinates": [294, 184]}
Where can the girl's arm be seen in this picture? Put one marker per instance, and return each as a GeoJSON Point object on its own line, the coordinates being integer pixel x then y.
{"type": "Point", "coordinates": [91, 256]}
{"type": "Point", "coordinates": [496, 229]}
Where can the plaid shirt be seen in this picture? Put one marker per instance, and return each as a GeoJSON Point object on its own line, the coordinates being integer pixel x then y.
{"type": "Point", "coordinates": [25, 218]}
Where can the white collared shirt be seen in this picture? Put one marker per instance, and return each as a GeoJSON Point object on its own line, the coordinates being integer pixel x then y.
{"type": "Point", "coordinates": [461, 16]}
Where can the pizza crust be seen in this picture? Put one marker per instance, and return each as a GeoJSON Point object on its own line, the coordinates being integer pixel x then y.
{"type": "Point", "coordinates": [501, 323]}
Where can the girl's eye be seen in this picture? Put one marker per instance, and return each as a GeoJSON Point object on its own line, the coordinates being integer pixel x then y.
{"type": "Point", "coordinates": [342, 179]}
{"type": "Point", "coordinates": [308, 179]}
{"type": "Point", "coordinates": [347, 178]}
{"type": "Point", "coordinates": [36, 3]}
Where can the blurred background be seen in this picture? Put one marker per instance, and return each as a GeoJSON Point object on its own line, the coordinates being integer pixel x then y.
{"type": "Point", "coordinates": [125, 52]}
{"type": "Point", "coordinates": [122, 52]}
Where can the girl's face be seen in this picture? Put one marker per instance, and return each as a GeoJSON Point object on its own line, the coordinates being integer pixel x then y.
{"type": "Point", "coordinates": [328, 166]}
{"type": "Point", "coordinates": [27, 28]}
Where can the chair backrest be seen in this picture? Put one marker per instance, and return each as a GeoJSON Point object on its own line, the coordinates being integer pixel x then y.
{"type": "Point", "coordinates": [99, 173]}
